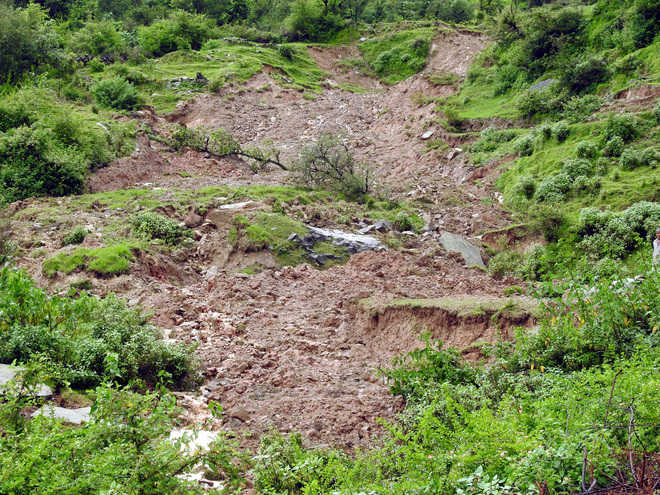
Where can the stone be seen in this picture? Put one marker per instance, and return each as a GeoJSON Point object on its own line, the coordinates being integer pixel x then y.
{"type": "Point", "coordinates": [8, 372]}
{"type": "Point", "coordinates": [223, 215]}
{"type": "Point", "coordinates": [354, 243]}
{"type": "Point", "coordinates": [73, 416]}
{"type": "Point", "coordinates": [192, 220]}
{"type": "Point", "coordinates": [380, 226]}
{"type": "Point", "coordinates": [457, 244]}
{"type": "Point", "coordinates": [543, 84]}
{"type": "Point", "coordinates": [428, 134]}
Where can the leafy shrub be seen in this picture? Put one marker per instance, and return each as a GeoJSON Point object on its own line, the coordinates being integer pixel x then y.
{"type": "Point", "coordinates": [548, 100]}
{"type": "Point", "coordinates": [548, 220]}
{"type": "Point", "coordinates": [624, 126]}
{"type": "Point", "coordinates": [613, 147]}
{"type": "Point", "coordinates": [561, 130]}
{"type": "Point", "coordinates": [534, 263]}
{"type": "Point", "coordinates": [506, 77]}
{"type": "Point", "coordinates": [396, 57]}
{"type": "Point", "coordinates": [85, 342]}
{"type": "Point", "coordinates": [286, 51]}
{"type": "Point", "coordinates": [27, 41]}
{"type": "Point", "coordinates": [526, 186]}
{"type": "Point", "coordinates": [76, 236]}
{"type": "Point", "coordinates": [592, 220]}
{"type": "Point", "coordinates": [545, 131]}
{"type": "Point", "coordinates": [98, 38]}
{"type": "Point", "coordinates": [180, 31]}
{"type": "Point", "coordinates": [7, 245]}
{"type": "Point", "coordinates": [329, 164]}
{"type": "Point", "coordinates": [554, 188]}
{"type": "Point", "coordinates": [505, 263]}
{"type": "Point", "coordinates": [630, 159]}
{"type": "Point", "coordinates": [490, 139]}
{"type": "Point", "coordinates": [456, 11]}
{"type": "Point", "coordinates": [155, 226]}
{"type": "Point", "coordinates": [576, 167]}
{"type": "Point", "coordinates": [404, 221]}
{"type": "Point", "coordinates": [217, 83]}
{"type": "Point", "coordinates": [582, 74]}
{"type": "Point", "coordinates": [579, 108]}
{"type": "Point", "coordinates": [13, 114]}
{"type": "Point", "coordinates": [525, 145]}
{"type": "Point", "coordinates": [656, 112]}
{"type": "Point", "coordinates": [308, 21]}
{"type": "Point", "coordinates": [116, 93]}
{"type": "Point", "coordinates": [587, 149]}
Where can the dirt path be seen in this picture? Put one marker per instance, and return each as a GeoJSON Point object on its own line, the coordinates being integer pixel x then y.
{"type": "Point", "coordinates": [284, 348]}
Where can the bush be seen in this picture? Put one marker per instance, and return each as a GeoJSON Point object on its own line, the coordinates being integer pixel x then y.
{"type": "Point", "coordinates": [31, 164]}
{"type": "Point", "coordinates": [504, 264]}
{"type": "Point", "coordinates": [404, 222]}
{"type": "Point", "coordinates": [561, 130]}
{"type": "Point", "coordinates": [286, 51]}
{"type": "Point", "coordinates": [329, 164]}
{"type": "Point", "coordinates": [613, 147]}
{"type": "Point", "coordinates": [548, 100]}
{"type": "Point", "coordinates": [624, 126]}
{"type": "Point", "coordinates": [630, 159]}
{"type": "Point", "coordinates": [554, 189]}
{"type": "Point", "coordinates": [85, 343]}
{"type": "Point", "coordinates": [580, 108]}
{"type": "Point", "coordinates": [526, 186]}
{"type": "Point", "coordinates": [154, 226]}
{"type": "Point", "coordinates": [308, 21]}
{"type": "Point", "coordinates": [579, 75]}
{"type": "Point", "coordinates": [180, 31]}
{"type": "Point", "coordinates": [27, 41]}
{"type": "Point", "coordinates": [548, 220]}
{"type": "Point", "coordinates": [116, 93]}
{"type": "Point", "coordinates": [525, 145]}
{"type": "Point", "coordinates": [587, 149]}
{"type": "Point", "coordinates": [98, 39]}
{"type": "Point", "coordinates": [77, 236]}
{"type": "Point", "coordinates": [592, 220]}
{"type": "Point", "coordinates": [456, 11]}
{"type": "Point", "coordinates": [574, 168]}
{"type": "Point", "coordinates": [14, 114]}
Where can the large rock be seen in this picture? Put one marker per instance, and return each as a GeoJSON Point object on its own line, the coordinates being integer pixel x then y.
{"type": "Point", "coordinates": [354, 243]}
{"type": "Point", "coordinates": [74, 416]}
{"type": "Point", "coordinates": [8, 372]}
{"type": "Point", "coordinates": [379, 226]}
{"type": "Point", "coordinates": [457, 244]}
{"type": "Point", "coordinates": [223, 215]}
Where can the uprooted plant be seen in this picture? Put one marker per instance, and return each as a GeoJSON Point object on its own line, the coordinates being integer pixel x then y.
{"type": "Point", "coordinates": [329, 164]}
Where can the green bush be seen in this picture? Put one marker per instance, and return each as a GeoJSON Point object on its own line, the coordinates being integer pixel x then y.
{"type": "Point", "coordinates": [154, 226]}
{"type": "Point", "coordinates": [85, 342]}
{"type": "Point", "coordinates": [525, 145]}
{"type": "Point", "coordinates": [549, 221]}
{"type": "Point", "coordinates": [456, 11]}
{"type": "Point", "coordinates": [98, 38]}
{"type": "Point", "coordinates": [576, 167]}
{"type": "Point", "coordinates": [630, 159]}
{"type": "Point", "coordinates": [526, 186]}
{"type": "Point", "coordinates": [180, 31]}
{"type": "Point", "coordinates": [561, 130]}
{"type": "Point", "coordinates": [579, 75]}
{"type": "Point", "coordinates": [614, 147]}
{"type": "Point", "coordinates": [14, 114]}
{"type": "Point", "coordinates": [116, 93]}
{"type": "Point", "coordinates": [505, 263]}
{"type": "Point", "coordinates": [624, 126]}
{"type": "Point", "coordinates": [548, 100]}
{"type": "Point", "coordinates": [579, 108]}
{"type": "Point", "coordinates": [587, 149]}
{"type": "Point", "coordinates": [76, 236]}
{"type": "Point", "coordinates": [555, 188]}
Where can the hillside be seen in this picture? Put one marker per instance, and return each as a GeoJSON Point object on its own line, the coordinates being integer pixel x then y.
{"type": "Point", "coordinates": [358, 247]}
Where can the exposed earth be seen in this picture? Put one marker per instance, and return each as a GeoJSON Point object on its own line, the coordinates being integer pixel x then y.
{"type": "Point", "coordinates": [297, 348]}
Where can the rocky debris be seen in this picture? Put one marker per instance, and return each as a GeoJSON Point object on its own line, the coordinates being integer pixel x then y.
{"type": "Point", "coordinates": [457, 244]}
{"type": "Point", "coordinates": [380, 226]}
{"type": "Point", "coordinates": [192, 220]}
{"type": "Point", "coordinates": [73, 416]}
{"type": "Point", "coordinates": [8, 373]}
{"type": "Point", "coordinates": [354, 243]}
{"type": "Point", "coordinates": [199, 80]}
{"type": "Point", "coordinates": [223, 215]}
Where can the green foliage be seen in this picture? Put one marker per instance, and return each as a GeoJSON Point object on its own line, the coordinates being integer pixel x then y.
{"type": "Point", "coordinates": [329, 164]}
{"type": "Point", "coordinates": [110, 260]}
{"type": "Point", "coordinates": [613, 147]}
{"type": "Point", "coordinates": [526, 186]}
{"type": "Point", "coordinates": [505, 263]}
{"type": "Point", "coordinates": [125, 448]}
{"type": "Point", "coordinates": [180, 31]}
{"type": "Point", "coordinates": [587, 149]}
{"type": "Point", "coordinates": [82, 339]}
{"type": "Point", "coordinates": [624, 126]}
{"type": "Point", "coordinates": [581, 74]}
{"type": "Point", "coordinates": [456, 11]}
{"type": "Point", "coordinates": [309, 21]}
{"type": "Point", "coordinates": [76, 236]}
{"type": "Point", "coordinates": [405, 221]}
{"type": "Point", "coordinates": [27, 42]}
{"type": "Point", "coordinates": [525, 145]}
{"type": "Point", "coordinates": [561, 130]}
{"type": "Point", "coordinates": [115, 92]}
{"type": "Point", "coordinates": [399, 56]}
{"type": "Point", "coordinates": [580, 108]}
{"type": "Point", "coordinates": [548, 100]}
{"type": "Point", "coordinates": [154, 226]}
{"type": "Point", "coordinates": [99, 38]}
{"type": "Point", "coordinates": [631, 159]}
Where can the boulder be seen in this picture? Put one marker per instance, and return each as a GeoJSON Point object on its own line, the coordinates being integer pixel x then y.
{"type": "Point", "coordinates": [74, 416]}
{"type": "Point", "coordinates": [457, 244]}
{"type": "Point", "coordinates": [8, 372]}
{"type": "Point", "coordinates": [354, 243]}
{"type": "Point", "coordinates": [427, 134]}
{"type": "Point", "coordinates": [380, 226]}
{"type": "Point", "coordinates": [192, 220]}
{"type": "Point", "coordinates": [223, 215]}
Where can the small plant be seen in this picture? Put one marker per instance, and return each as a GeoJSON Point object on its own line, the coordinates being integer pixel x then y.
{"type": "Point", "coordinates": [403, 221]}
{"type": "Point", "coordinates": [526, 186]}
{"type": "Point", "coordinates": [286, 51]}
{"type": "Point", "coordinates": [116, 93]}
{"type": "Point", "coordinates": [504, 264]}
{"type": "Point", "coordinates": [561, 130]}
{"type": "Point", "coordinates": [625, 126]}
{"type": "Point", "coordinates": [217, 83]}
{"type": "Point", "coordinates": [613, 147]}
{"type": "Point", "coordinates": [76, 236]}
{"type": "Point", "coordinates": [587, 149]}
{"type": "Point", "coordinates": [630, 159]}
{"type": "Point", "coordinates": [154, 226]}
{"type": "Point", "coordinates": [525, 145]}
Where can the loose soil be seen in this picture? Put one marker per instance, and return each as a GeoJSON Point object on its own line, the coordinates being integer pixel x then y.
{"type": "Point", "coordinates": [288, 348]}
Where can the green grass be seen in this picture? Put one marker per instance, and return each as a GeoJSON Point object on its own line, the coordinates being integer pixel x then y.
{"type": "Point", "coordinates": [110, 260]}
{"type": "Point", "coordinates": [396, 57]}
{"type": "Point", "coordinates": [462, 306]}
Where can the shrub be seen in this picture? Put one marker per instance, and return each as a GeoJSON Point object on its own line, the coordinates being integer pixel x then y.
{"type": "Point", "coordinates": [548, 100]}
{"type": "Point", "coordinates": [587, 149]}
{"type": "Point", "coordinates": [545, 131]}
{"type": "Point", "coordinates": [613, 147]}
{"type": "Point", "coordinates": [98, 38]}
{"type": "Point", "coordinates": [630, 159]}
{"type": "Point", "coordinates": [31, 164]}
{"type": "Point", "coordinates": [329, 164]}
{"type": "Point", "coordinates": [76, 236]}
{"type": "Point", "coordinates": [180, 31]}
{"type": "Point", "coordinates": [534, 263]}
{"type": "Point", "coordinates": [582, 74]}
{"type": "Point", "coordinates": [576, 167]}
{"type": "Point", "coordinates": [504, 264]}
{"type": "Point", "coordinates": [548, 220]}
{"type": "Point", "coordinates": [286, 51]}
{"type": "Point", "coordinates": [561, 130]}
{"type": "Point", "coordinates": [649, 157]}
{"type": "Point", "coordinates": [84, 344]}
{"type": "Point", "coordinates": [456, 11]}
{"type": "Point", "coordinates": [592, 220]}
{"type": "Point", "coordinates": [526, 186]}
{"type": "Point", "coordinates": [217, 83]}
{"type": "Point", "coordinates": [155, 226]}
{"type": "Point", "coordinates": [656, 112]}
{"type": "Point", "coordinates": [308, 21]}
{"type": "Point", "coordinates": [404, 221]}
{"type": "Point", "coordinates": [14, 114]}
{"type": "Point", "coordinates": [525, 145]}
{"type": "Point", "coordinates": [579, 108]}
{"type": "Point", "coordinates": [116, 93]}
{"type": "Point", "coordinates": [624, 126]}
{"type": "Point", "coordinates": [554, 188]}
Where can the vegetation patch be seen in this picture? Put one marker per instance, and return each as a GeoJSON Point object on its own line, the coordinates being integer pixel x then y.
{"type": "Point", "coordinates": [106, 261]}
